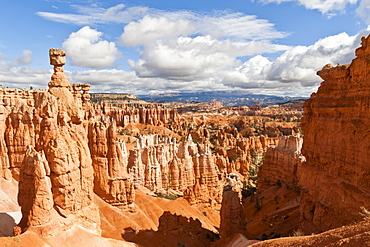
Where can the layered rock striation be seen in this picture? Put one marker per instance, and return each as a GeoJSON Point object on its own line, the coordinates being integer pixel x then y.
{"type": "Point", "coordinates": [187, 169]}
{"type": "Point", "coordinates": [49, 140]}
{"type": "Point", "coordinates": [335, 178]}
{"type": "Point", "coordinates": [281, 163]}
{"type": "Point", "coordinates": [237, 148]}
{"type": "Point", "coordinates": [125, 114]}
{"type": "Point", "coordinates": [110, 159]}
{"type": "Point", "coordinates": [232, 213]}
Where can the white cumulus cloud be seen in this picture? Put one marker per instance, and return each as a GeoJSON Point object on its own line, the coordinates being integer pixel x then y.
{"type": "Point", "coordinates": [297, 66]}
{"type": "Point", "coordinates": [86, 49]}
{"type": "Point", "coordinates": [194, 46]}
{"type": "Point", "coordinates": [147, 30]}
{"type": "Point", "coordinates": [220, 25]}
{"type": "Point", "coordinates": [120, 81]}
{"type": "Point", "coordinates": [195, 58]}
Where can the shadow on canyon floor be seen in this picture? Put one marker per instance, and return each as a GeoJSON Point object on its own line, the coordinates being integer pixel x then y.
{"type": "Point", "coordinates": [173, 230]}
{"type": "Point", "coordinates": [7, 223]}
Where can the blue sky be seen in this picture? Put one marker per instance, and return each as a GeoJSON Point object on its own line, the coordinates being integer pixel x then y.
{"type": "Point", "coordinates": [158, 46]}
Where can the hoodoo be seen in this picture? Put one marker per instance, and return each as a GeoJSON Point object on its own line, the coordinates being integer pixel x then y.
{"type": "Point", "coordinates": [56, 175]}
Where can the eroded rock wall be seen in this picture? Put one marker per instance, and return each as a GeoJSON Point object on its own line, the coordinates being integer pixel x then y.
{"type": "Point", "coordinates": [232, 213]}
{"type": "Point", "coordinates": [281, 163]}
{"type": "Point", "coordinates": [4, 158]}
{"type": "Point", "coordinates": [151, 114]}
{"type": "Point", "coordinates": [187, 168]}
{"type": "Point", "coordinates": [335, 178]}
{"type": "Point", "coordinates": [16, 127]}
{"type": "Point", "coordinates": [110, 159]}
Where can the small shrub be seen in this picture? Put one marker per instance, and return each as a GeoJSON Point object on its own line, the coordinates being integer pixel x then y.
{"type": "Point", "coordinates": [278, 183]}
{"type": "Point", "coordinates": [17, 239]}
{"type": "Point", "coordinates": [364, 212]}
{"type": "Point", "coordinates": [298, 233]}
{"type": "Point", "coordinates": [166, 196]}
{"type": "Point", "coordinates": [233, 157]}
{"type": "Point", "coordinates": [247, 190]}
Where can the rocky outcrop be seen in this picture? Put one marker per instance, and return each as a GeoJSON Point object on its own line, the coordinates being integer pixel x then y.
{"type": "Point", "coordinates": [235, 150]}
{"type": "Point", "coordinates": [148, 162]}
{"type": "Point", "coordinates": [49, 141]}
{"type": "Point", "coordinates": [208, 178]}
{"type": "Point", "coordinates": [281, 163]}
{"type": "Point", "coordinates": [335, 178]}
{"type": "Point", "coordinates": [49, 154]}
{"type": "Point", "coordinates": [188, 169]}
{"type": "Point", "coordinates": [109, 159]}
{"type": "Point", "coordinates": [19, 133]}
{"type": "Point", "coordinates": [243, 154]}
{"type": "Point", "coordinates": [232, 213]}
{"type": "Point", "coordinates": [272, 209]}
{"type": "Point", "coordinates": [125, 114]}
{"type": "Point", "coordinates": [35, 189]}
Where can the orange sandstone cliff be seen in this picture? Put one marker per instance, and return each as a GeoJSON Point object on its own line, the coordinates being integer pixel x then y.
{"type": "Point", "coordinates": [273, 210]}
{"type": "Point", "coordinates": [335, 178]}
{"type": "Point", "coordinates": [333, 182]}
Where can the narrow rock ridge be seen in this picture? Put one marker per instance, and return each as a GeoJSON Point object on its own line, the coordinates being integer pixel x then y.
{"type": "Point", "coordinates": [335, 178]}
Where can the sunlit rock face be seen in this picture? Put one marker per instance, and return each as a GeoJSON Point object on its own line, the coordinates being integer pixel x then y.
{"type": "Point", "coordinates": [232, 213]}
{"type": "Point", "coordinates": [281, 163]}
{"type": "Point", "coordinates": [335, 178]}
{"type": "Point", "coordinates": [152, 114]}
{"type": "Point", "coordinates": [188, 169]}
{"type": "Point", "coordinates": [109, 158]}
{"type": "Point", "coordinates": [46, 149]}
